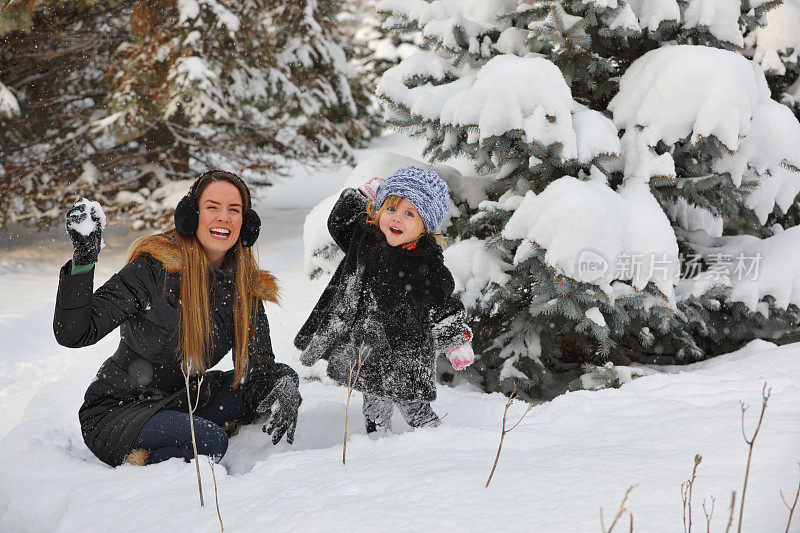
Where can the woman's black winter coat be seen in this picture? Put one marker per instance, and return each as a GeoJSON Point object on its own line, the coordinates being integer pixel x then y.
{"type": "Point", "coordinates": [144, 375]}
{"type": "Point", "coordinates": [395, 301]}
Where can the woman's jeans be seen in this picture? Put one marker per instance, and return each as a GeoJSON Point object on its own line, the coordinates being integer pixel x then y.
{"type": "Point", "coordinates": [168, 434]}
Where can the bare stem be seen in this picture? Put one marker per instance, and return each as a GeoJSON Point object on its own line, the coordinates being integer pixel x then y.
{"type": "Point", "coordinates": [620, 512]}
{"type": "Point", "coordinates": [697, 459]}
{"type": "Point", "coordinates": [794, 504]}
{"type": "Point", "coordinates": [363, 353]}
{"type": "Point", "coordinates": [216, 498]}
{"type": "Point", "coordinates": [708, 514]}
{"type": "Point", "coordinates": [191, 427]}
{"type": "Point", "coordinates": [730, 517]}
{"type": "Point", "coordinates": [764, 397]}
{"type": "Point", "coordinates": [504, 430]}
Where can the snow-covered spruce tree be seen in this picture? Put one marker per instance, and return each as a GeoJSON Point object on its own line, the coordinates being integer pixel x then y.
{"type": "Point", "coordinates": [720, 156]}
{"type": "Point", "coordinates": [595, 41]}
{"type": "Point", "coordinates": [375, 48]}
{"type": "Point", "coordinates": [533, 311]}
{"type": "Point", "coordinates": [556, 200]}
{"type": "Point", "coordinates": [126, 96]}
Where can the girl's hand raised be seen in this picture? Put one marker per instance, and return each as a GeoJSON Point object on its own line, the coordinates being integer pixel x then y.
{"type": "Point", "coordinates": [460, 356]}
{"type": "Point", "coordinates": [370, 188]}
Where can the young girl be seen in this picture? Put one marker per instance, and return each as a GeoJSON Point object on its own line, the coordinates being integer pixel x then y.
{"type": "Point", "coordinates": [391, 294]}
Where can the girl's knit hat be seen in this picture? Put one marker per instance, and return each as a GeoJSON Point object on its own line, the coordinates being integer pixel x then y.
{"type": "Point", "coordinates": [423, 188]}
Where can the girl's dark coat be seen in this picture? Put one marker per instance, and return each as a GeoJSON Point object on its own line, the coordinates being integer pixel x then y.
{"type": "Point", "coordinates": [144, 375]}
{"type": "Point", "coordinates": [395, 301]}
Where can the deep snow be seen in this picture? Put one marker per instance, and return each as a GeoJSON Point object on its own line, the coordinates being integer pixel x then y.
{"type": "Point", "coordinates": [567, 459]}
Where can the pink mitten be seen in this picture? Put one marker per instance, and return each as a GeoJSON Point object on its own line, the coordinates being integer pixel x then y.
{"type": "Point", "coordinates": [460, 356]}
{"type": "Point", "coordinates": [370, 188]}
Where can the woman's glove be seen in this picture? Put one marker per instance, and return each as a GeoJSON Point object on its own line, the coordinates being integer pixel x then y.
{"type": "Point", "coordinates": [85, 223]}
{"type": "Point", "coordinates": [370, 188]}
{"type": "Point", "coordinates": [460, 356]}
{"type": "Point", "coordinates": [284, 420]}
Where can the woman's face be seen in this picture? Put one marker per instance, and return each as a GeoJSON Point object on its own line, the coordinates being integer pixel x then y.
{"type": "Point", "coordinates": [220, 221]}
{"type": "Point", "coordinates": [401, 224]}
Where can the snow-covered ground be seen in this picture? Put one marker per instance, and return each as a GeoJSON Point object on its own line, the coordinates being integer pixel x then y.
{"type": "Point", "coordinates": [566, 460]}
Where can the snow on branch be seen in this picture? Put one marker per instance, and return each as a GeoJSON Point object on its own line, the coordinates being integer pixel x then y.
{"type": "Point", "coordinates": [9, 106]}
{"type": "Point", "coordinates": [653, 13]}
{"type": "Point", "coordinates": [759, 268]}
{"type": "Point", "coordinates": [770, 155]}
{"type": "Point", "coordinates": [720, 100]}
{"type": "Point", "coordinates": [196, 91]}
{"type": "Point", "coordinates": [455, 25]}
{"type": "Point", "coordinates": [189, 10]}
{"type": "Point", "coordinates": [778, 43]}
{"type": "Point", "coordinates": [586, 221]}
{"type": "Point", "coordinates": [720, 18]}
{"type": "Point", "coordinates": [729, 100]}
{"type": "Point", "coordinates": [508, 95]}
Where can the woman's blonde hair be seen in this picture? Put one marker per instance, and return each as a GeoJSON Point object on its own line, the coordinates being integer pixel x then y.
{"type": "Point", "coordinates": [185, 256]}
{"type": "Point", "coordinates": [374, 217]}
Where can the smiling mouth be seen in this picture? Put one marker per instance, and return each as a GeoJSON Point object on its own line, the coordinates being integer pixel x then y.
{"type": "Point", "coordinates": [395, 231]}
{"type": "Point", "coordinates": [220, 233]}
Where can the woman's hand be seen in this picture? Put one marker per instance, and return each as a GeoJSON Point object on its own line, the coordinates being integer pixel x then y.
{"type": "Point", "coordinates": [460, 356]}
{"type": "Point", "coordinates": [85, 223]}
{"type": "Point", "coordinates": [284, 420]}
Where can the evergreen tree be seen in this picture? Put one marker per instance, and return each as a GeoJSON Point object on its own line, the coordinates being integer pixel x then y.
{"type": "Point", "coordinates": [486, 91]}
{"type": "Point", "coordinates": [126, 96]}
{"type": "Point", "coordinates": [776, 47]}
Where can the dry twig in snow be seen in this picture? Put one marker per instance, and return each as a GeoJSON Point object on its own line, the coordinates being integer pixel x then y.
{"type": "Point", "coordinates": [191, 425]}
{"type": "Point", "coordinates": [363, 353]}
{"type": "Point", "coordinates": [764, 397]}
{"type": "Point", "coordinates": [708, 514]}
{"type": "Point", "coordinates": [686, 494]}
{"type": "Point", "coordinates": [730, 517]}
{"type": "Point", "coordinates": [216, 499]}
{"type": "Point", "coordinates": [504, 431]}
{"type": "Point", "coordinates": [794, 504]}
{"type": "Point", "coordinates": [619, 512]}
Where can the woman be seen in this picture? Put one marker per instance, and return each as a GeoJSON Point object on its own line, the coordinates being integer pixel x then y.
{"type": "Point", "coordinates": [183, 300]}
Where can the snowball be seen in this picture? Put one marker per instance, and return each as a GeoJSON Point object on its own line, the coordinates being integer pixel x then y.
{"type": "Point", "coordinates": [93, 211]}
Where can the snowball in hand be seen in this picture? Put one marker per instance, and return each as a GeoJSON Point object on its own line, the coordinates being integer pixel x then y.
{"type": "Point", "coordinates": [86, 225]}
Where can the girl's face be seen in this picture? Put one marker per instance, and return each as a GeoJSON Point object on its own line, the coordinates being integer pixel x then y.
{"type": "Point", "coordinates": [401, 223]}
{"type": "Point", "coordinates": [220, 220]}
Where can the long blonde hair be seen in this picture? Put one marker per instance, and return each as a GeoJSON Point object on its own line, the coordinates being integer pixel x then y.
{"type": "Point", "coordinates": [374, 217]}
{"type": "Point", "coordinates": [185, 256]}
